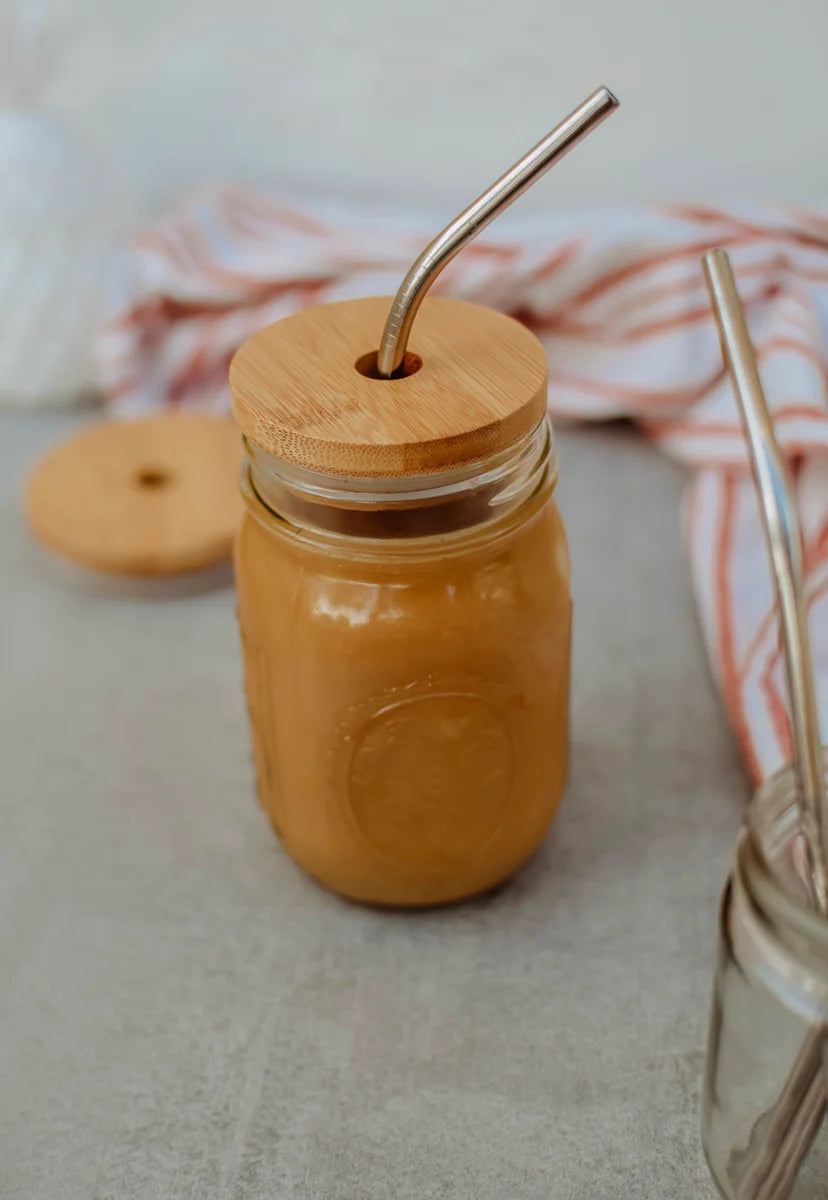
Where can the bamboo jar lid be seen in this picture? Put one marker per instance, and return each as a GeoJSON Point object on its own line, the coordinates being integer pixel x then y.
{"type": "Point", "coordinates": [473, 383]}
{"type": "Point", "coordinates": [157, 496]}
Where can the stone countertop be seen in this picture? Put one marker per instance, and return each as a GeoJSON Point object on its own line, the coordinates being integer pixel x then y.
{"type": "Point", "coordinates": [185, 1016]}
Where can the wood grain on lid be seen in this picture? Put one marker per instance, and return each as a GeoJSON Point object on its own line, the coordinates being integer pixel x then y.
{"type": "Point", "coordinates": [156, 496]}
{"type": "Point", "coordinates": [297, 392]}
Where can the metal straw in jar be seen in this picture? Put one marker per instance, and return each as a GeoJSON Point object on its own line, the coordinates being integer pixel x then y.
{"type": "Point", "coordinates": [799, 1110]}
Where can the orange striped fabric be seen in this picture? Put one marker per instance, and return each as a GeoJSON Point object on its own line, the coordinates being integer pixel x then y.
{"type": "Point", "coordinates": [620, 304]}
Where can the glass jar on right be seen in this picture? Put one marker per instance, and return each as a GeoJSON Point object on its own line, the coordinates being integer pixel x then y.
{"type": "Point", "coordinates": [764, 1126]}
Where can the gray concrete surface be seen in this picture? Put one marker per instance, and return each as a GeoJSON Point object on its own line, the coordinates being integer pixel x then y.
{"type": "Point", "coordinates": [184, 1016]}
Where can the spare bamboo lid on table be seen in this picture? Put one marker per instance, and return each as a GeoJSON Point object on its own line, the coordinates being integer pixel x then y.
{"type": "Point", "coordinates": [156, 496]}
{"type": "Point", "coordinates": [307, 390]}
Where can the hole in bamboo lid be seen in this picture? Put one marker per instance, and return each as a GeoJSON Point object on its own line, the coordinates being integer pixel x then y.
{"type": "Point", "coordinates": [368, 365]}
{"type": "Point", "coordinates": [151, 478]}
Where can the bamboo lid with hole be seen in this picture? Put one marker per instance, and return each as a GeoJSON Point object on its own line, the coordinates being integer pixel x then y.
{"type": "Point", "coordinates": [474, 383]}
{"type": "Point", "coordinates": [156, 496]}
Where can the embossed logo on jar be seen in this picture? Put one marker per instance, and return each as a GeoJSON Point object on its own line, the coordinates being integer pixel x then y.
{"type": "Point", "coordinates": [429, 779]}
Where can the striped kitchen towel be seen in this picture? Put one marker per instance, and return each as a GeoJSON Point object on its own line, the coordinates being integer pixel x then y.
{"type": "Point", "coordinates": [620, 304]}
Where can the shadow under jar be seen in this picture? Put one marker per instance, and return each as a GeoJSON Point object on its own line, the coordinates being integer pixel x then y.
{"type": "Point", "coordinates": [766, 1081]}
{"type": "Point", "coordinates": [404, 599]}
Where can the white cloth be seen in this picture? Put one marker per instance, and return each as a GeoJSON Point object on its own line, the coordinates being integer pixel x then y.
{"type": "Point", "coordinates": [620, 304]}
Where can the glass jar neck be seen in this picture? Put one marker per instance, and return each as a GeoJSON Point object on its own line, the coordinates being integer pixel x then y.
{"type": "Point", "coordinates": [414, 507]}
{"type": "Point", "coordinates": [773, 921]}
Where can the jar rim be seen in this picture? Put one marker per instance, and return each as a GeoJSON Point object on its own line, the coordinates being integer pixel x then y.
{"type": "Point", "coordinates": [409, 490]}
{"type": "Point", "coordinates": [773, 813]}
{"type": "Point", "coordinates": [387, 512]}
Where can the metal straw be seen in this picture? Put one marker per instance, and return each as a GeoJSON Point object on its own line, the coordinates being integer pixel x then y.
{"type": "Point", "coordinates": [782, 1138]}
{"type": "Point", "coordinates": [785, 549]}
{"type": "Point", "coordinates": [477, 216]}
{"type": "Point", "coordinates": [788, 1129]}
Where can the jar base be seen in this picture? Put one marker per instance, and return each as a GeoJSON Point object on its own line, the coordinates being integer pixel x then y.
{"type": "Point", "coordinates": [413, 903]}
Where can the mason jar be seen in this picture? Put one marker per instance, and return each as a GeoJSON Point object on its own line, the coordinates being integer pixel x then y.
{"type": "Point", "coordinates": [766, 1077]}
{"type": "Point", "coordinates": [406, 631]}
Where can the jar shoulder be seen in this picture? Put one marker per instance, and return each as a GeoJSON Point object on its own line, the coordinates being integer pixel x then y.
{"type": "Point", "coordinates": [526, 572]}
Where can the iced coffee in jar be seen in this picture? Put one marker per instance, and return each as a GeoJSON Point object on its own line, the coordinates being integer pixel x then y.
{"type": "Point", "coordinates": [403, 578]}
{"type": "Point", "coordinates": [404, 598]}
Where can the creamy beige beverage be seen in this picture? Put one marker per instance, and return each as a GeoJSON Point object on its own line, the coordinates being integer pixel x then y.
{"type": "Point", "coordinates": [409, 704]}
{"type": "Point", "coordinates": [406, 636]}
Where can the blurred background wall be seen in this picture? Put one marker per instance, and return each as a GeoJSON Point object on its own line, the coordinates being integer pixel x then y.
{"type": "Point", "coordinates": [722, 99]}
